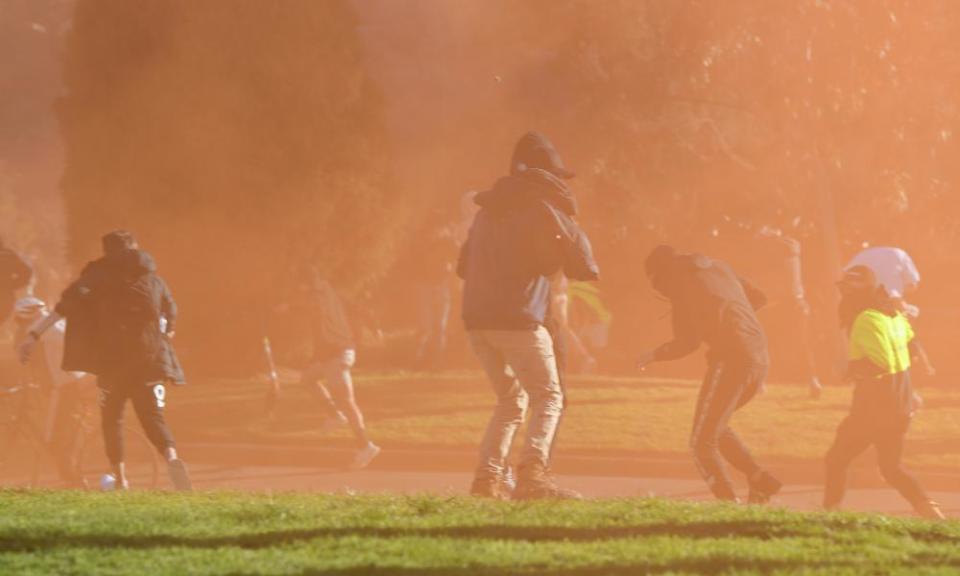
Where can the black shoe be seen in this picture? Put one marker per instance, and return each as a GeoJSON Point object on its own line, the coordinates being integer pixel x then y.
{"type": "Point", "coordinates": [534, 482]}
{"type": "Point", "coordinates": [762, 487]}
{"type": "Point", "coordinates": [490, 487]}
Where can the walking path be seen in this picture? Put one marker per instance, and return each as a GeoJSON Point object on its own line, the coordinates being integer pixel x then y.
{"type": "Point", "coordinates": [284, 478]}
{"type": "Point", "coordinates": [276, 468]}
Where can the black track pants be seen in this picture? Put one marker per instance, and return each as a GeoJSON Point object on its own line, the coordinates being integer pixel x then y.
{"type": "Point", "coordinates": [727, 387]}
{"type": "Point", "coordinates": [854, 436]}
{"type": "Point", "coordinates": [148, 400]}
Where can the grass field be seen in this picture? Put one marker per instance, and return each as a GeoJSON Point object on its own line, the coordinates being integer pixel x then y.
{"type": "Point", "coordinates": [227, 533]}
{"type": "Point", "coordinates": [607, 416]}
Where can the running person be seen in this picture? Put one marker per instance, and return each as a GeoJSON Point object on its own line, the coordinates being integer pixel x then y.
{"type": "Point", "coordinates": [712, 305]}
{"type": "Point", "coordinates": [880, 339]}
{"type": "Point", "coordinates": [334, 354]}
{"type": "Point", "coordinates": [120, 319]}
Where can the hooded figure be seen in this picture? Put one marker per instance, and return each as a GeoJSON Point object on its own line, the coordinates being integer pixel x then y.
{"type": "Point", "coordinates": [534, 150]}
{"type": "Point", "coordinates": [120, 318]}
{"type": "Point", "coordinates": [523, 233]}
{"type": "Point", "coordinates": [119, 313]}
{"type": "Point", "coordinates": [712, 305]}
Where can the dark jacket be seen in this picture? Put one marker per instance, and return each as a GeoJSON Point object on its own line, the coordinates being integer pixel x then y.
{"type": "Point", "coordinates": [523, 233]}
{"type": "Point", "coordinates": [113, 316]}
{"type": "Point", "coordinates": [712, 305]}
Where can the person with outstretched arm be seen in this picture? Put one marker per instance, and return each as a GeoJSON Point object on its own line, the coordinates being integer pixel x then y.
{"type": "Point", "coordinates": [121, 318]}
{"type": "Point", "coordinates": [714, 306]}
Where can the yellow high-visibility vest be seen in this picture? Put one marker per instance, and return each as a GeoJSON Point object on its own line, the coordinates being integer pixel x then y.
{"type": "Point", "coordinates": [883, 339]}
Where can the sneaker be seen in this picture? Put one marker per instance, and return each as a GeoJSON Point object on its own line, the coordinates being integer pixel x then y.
{"type": "Point", "coordinates": [931, 510]}
{"type": "Point", "coordinates": [815, 389]}
{"type": "Point", "coordinates": [534, 482]}
{"type": "Point", "coordinates": [490, 487]}
{"type": "Point", "coordinates": [108, 483]}
{"type": "Point", "coordinates": [509, 479]}
{"type": "Point", "coordinates": [332, 423]}
{"type": "Point", "coordinates": [364, 456]}
{"type": "Point", "coordinates": [762, 487]}
{"type": "Point", "coordinates": [179, 476]}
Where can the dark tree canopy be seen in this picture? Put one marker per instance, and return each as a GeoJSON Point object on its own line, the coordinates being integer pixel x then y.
{"type": "Point", "coordinates": [236, 138]}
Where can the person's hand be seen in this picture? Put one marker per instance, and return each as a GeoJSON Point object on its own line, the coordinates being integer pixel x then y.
{"type": "Point", "coordinates": [25, 349]}
{"type": "Point", "coordinates": [644, 360]}
{"type": "Point", "coordinates": [171, 334]}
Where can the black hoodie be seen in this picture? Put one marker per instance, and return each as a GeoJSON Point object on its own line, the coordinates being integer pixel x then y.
{"type": "Point", "coordinates": [523, 233]}
{"type": "Point", "coordinates": [113, 316]}
{"type": "Point", "coordinates": [711, 305]}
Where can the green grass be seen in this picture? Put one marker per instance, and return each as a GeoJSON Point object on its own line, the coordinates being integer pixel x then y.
{"type": "Point", "coordinates": [229, 533]}
{"type": "Point", "coordinates": [607, 416]}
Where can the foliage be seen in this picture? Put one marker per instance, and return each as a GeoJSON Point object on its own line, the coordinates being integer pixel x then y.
{"type": "Point", "coordinates": [30, 211]}
{"type": "Point", "coordinates": [698, 110]}
{"type": "Point", "coordinates": [17, 229]}
{"type": "Point", "coordinates": [689, 121]}
{"type": "Point", "coordinates": [237, 139]}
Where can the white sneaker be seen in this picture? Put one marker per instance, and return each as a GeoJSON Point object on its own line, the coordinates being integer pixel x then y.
{"type": "Point", "coordinates": [333, 423]}
{"type": "Point", "coordinates": [364, 456]}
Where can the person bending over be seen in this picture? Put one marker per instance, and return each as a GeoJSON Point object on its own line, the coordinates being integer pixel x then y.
{"type": "Point", "coordinates": [712, 305]}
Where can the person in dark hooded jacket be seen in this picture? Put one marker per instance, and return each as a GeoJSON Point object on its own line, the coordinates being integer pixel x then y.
{"type": "Point", "coordinates": [523, 234]}
{"type": "Point", "coordinates": [121, 318]}
{"type": "Point", "coordinates": [712, 305]}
